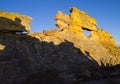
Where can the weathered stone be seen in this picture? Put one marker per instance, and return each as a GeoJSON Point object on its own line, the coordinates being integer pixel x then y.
{"type": "Point", "coordinates": [80, 19]}
{"type": "Point", "coordinates": [50, 32]}
{"type": "Point", "coordinates": [77, 21]}
{"type": "Point", "coordinates": [68, 52]}
{"type": "Point", "coordinates": [102, 37]}
{"type": "Point", "coordinates": [14, 22]}
{"type": "Point", "coordinates": [62, 20]}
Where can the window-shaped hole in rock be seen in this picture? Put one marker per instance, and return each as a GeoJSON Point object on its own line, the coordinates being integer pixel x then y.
{"type": "Point", "coordinates": [87, 32]}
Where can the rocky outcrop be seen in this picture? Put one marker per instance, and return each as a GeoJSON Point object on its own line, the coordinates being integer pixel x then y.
{"type": "Point", "coordinates": [62, 20]}
{"type": "Point", "coordinates": [102, 37]}
{"type": "Point", "coordinates": [80, 19]}
{"type": "Point", "coordinates": [77, 21]}
{"type": "Point", "coordinates": [65, 56]}
{"type": "Point", "coordinates": [14, 22]}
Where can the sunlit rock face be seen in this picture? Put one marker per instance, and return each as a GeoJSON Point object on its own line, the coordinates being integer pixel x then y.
{"type": "Point", "coordinates": [81, 20]}
{"type": "Point", "coordinates": [14, 22]}
{"type": "Point", "coordinates": [61, 56]}
{"type": "Point", "coordinates": [62, 20]}
{"type": "Point", "coordinates": [50, 32]}
{"type": "Point", "coordinates": [78, 21]}
{"type": "Point", "coordinates": [102, 37]}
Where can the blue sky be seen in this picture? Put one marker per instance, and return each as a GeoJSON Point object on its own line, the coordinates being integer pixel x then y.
{"type": "Point", "coordinates": [106, 12]}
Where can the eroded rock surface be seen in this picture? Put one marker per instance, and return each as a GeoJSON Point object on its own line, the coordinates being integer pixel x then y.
{"type": "Point", "coordinates": [77, 21]}
{"type": "Point", "coordinates": [14, 22]}
{"type": "Point", "coordinates": [63, 56]}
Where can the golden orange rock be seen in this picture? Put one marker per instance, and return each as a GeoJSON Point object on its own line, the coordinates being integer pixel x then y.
{"type": "Point", "coordinates": [62, 20]}
{"type": "Point", "coordinates": [50, 32]}
{"type": "Point", "coordinates": [76, 21]}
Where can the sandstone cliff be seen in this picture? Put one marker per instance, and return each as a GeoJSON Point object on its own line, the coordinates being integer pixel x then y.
{"type": "Point", "coordinates": [60, 56]}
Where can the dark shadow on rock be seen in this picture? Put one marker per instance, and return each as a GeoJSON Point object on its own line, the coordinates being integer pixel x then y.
{"type": "Point", "coordinates": [10, 26]}
{"type": "Point", "coordinates": [27, 60]}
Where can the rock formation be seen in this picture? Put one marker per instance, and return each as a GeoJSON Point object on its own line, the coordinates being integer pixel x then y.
{"type": "Point", "coordinates": [14, 22]}
{"type": "Point", "coordinates": [77, 21]}
{"type": "Point", "coordinates": [63, 56]}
